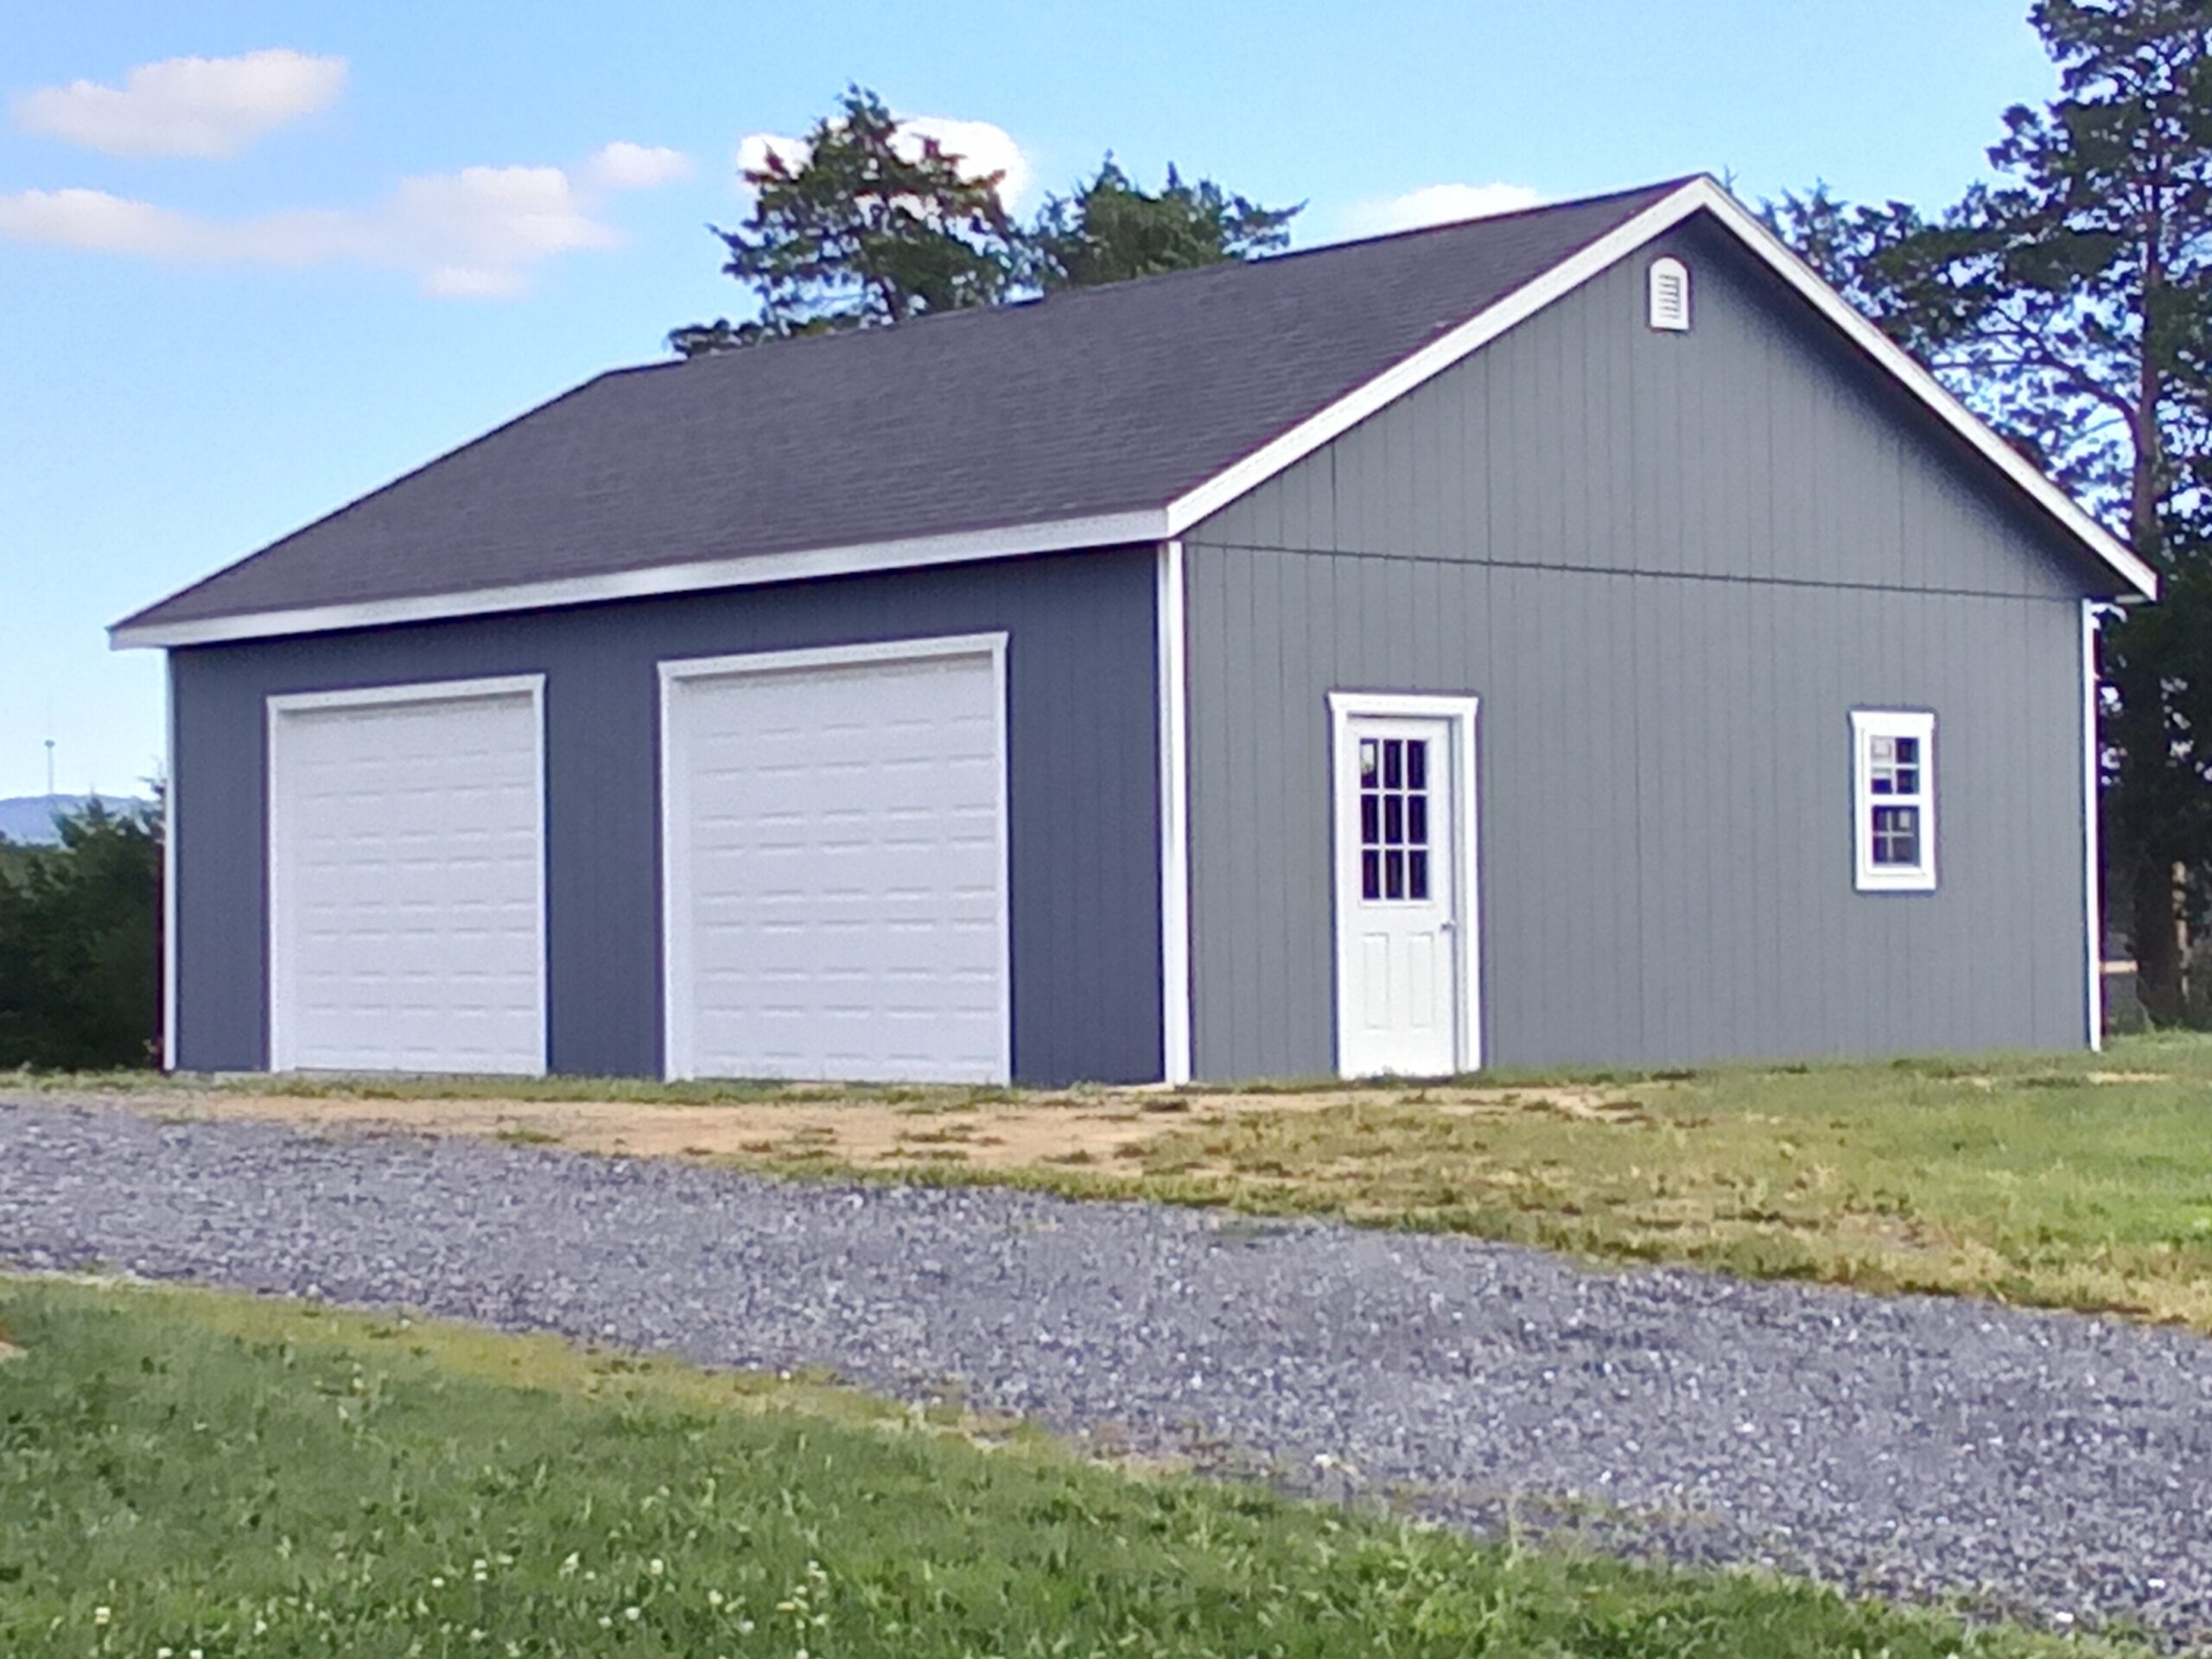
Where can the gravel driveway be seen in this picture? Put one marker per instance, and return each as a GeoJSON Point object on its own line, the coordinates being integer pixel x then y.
{"type": "Point", "coordinates": [2044, 1462]}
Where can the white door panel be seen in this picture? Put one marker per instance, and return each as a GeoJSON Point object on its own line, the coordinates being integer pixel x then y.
{"type": "Point", "coordinates": [406, 930]}
{"type": "Point", "coordinates": [1403, 827]}
{"type": "Point", "coordinates": [836, 863]}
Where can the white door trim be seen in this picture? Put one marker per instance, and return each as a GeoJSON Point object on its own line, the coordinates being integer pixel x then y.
{"type": "Point", "coordinates": [678, 1059]}
{"type": "Point", "coordinates": [1461, 711]}
{"type": "Point", "coordinates": [281, 704]}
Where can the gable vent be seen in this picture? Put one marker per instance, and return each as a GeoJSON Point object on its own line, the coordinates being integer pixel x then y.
{"type": "Point", "coordinates": [1670, 295]}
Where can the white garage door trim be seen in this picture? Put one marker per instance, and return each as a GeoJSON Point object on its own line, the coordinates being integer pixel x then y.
{"type": "Point", "coordinates": [280, 706]}
{"type": "Point", "coordinates": [679, 1058]}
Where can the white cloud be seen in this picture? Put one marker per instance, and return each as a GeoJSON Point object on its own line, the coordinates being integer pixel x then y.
{"type": "Point", "coordinates": [1438, 204]}
{"type": "Point", "coordinates": [980, 147]}
{"type": "Point", "coordinates": [624, 166]}
{"type": "Point", "coordinates": [477, 233]}
{"type": "Point", "coordinates": [185, 106]}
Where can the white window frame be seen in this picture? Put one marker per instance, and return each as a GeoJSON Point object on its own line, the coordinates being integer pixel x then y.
{"type": "Point", "coordinates": [1867, 724]}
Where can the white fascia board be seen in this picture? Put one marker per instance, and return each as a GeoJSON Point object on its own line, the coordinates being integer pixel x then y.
{"type": "Point", "coordinates": [1151, 524]}
{"type": "Point", "coordinates": [1061, 536]}
{"type": "Point", "coordinates": [1699, 195]}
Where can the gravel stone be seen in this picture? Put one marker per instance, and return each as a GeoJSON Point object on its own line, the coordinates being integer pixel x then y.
{"type": "Point", "coordinates": [2050, 1464]}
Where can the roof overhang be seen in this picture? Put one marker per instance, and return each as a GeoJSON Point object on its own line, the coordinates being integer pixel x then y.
{"type": "Point", "coordinates": [1149, 524]}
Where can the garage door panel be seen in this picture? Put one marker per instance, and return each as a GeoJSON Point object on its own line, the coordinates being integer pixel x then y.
{"type": "Point", "coordinates": [406, 926]}
{"type": "Point", "coordinates": [836, 866]}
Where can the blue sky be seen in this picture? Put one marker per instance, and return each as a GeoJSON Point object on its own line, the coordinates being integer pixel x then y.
{"type": "Point", "coordinates": [233, 297]}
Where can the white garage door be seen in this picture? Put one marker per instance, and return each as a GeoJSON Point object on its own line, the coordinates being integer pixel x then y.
{"type": "Point", "coordinates": [836, 864]}
{"type": "Point", "coordinates": [406, 880]}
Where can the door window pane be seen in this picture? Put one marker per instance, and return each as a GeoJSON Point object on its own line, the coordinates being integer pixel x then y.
{"type": "Point", "coordinates": [1394, 818]}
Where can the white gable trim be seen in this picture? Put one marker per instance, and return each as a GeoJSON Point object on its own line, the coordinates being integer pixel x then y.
{"type": "Point", "coordinates": [1699, 195]}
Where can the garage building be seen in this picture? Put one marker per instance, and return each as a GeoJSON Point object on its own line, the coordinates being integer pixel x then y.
{"type": "Point", "coordinates": [1574, 636]}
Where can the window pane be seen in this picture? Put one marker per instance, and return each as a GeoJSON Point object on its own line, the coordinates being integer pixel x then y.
{"type": "Point", "coordinates": [1393, 758]}
{"type": "Point", "coordinates": [1369, 829]}
{"type": "Point", "coordinates": [1417, 765]}
{"type": "Point", "coordinates": [1394, 873]}
{"type": "Point", "coordinates": [1907, 751]}
{"type": "Point", "coordinates": [1417, 820]}
{"type": "Point", "coordinates": [1370, 875]}
{"type": "Point", "coordinates": [1394, 819]}
{"type": "Point", "coordinates": [1896, 836]}
{"type": "Point", "coordinates": [1416, 875]}
{"type": "Point", "coordinates": [1367, 760]}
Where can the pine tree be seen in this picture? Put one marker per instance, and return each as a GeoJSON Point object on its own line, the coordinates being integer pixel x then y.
{"type": "Point", "coordinates": [873, 224]}
{"type": "Point", "coordinates": [1110, 231]}
{"type": "Point", "coordinates": [2068, 300]}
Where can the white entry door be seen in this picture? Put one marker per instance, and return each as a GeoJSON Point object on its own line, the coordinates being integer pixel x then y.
{"type": "Point", "coordinates": [406, 878]}
{"type": "Point", "coordinates": [1403, 832]}
{"type": "Point", "coordinates": [835, 864]}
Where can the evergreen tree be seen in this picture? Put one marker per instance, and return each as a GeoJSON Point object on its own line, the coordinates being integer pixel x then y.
{"type": "Point", "coordinates": [1110, 231]}
{"type": "Point", "coordinates": [2068, 300]}
{"type": "Point", "coordinates": [874, 224]}
{"type": "Point", "coordinates": [80, 944]}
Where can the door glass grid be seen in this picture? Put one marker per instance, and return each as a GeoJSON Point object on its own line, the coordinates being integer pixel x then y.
{"type": "Point", "coordinates": [1394, 849]}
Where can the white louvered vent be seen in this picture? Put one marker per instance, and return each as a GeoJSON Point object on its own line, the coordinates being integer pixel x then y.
{"type": "Point", "coordinates": [1670, 295]}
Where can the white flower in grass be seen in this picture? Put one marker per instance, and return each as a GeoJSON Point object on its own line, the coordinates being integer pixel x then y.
{"type": "Point", "coordinates": [101, 1614]}
{"type": "Point", "coordinates": [714, 1598]}
{"type": "Point", "coordinates": [568, 1566]}
{"type": "Point", "coordinates": [656, 1566]}
{"type": "Point", "coordinates": [633, 1614]}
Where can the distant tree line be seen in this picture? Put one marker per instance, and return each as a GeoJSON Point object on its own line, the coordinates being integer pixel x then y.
{"type": "Point", "coordinates": [874, 224]}
{"type": "Point", "coordinates": [80, 943]}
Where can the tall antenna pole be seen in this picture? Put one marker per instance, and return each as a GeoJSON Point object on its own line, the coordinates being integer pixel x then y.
{"type": "Point", "coordinates": [50, 768]}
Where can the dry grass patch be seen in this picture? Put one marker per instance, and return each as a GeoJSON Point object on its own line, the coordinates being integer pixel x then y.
{"type": "Point", "coordinates": [2079, 1181]}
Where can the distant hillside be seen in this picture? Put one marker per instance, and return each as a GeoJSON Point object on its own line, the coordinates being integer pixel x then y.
{"type": "Point", "coordinates": [28, 819]}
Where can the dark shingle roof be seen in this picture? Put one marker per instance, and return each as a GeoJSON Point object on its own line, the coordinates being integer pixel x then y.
{"type": "Point", "coordinates": [1089, 402]}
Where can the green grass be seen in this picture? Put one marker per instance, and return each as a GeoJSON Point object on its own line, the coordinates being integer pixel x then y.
{"type": "Point", "coordinates": [2032, 1180]}
{"type": "Point", "coordinates": [184, 1472]}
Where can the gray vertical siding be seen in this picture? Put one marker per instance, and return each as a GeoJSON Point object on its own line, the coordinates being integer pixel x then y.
{"type": "Point", "coordinates": [1669, 567]}
{"type": "Point", "coordinates": [1082, 798]}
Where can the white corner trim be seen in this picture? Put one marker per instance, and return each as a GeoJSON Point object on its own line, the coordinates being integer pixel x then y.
{"type": "Point", "coordinates": [679, 1056]}
{"type": "Point", "coordinates": [748, 571]}
{"type": "Point", "coordinates": [2092, 851]}
{"type": "Point", "coordinates": [1462, 711]}
{"type": "Point", "coordinates": [1174, 819]}
{"type": "Point", "coordinates": [168, 864]}
{"type": "Point", "coordinates": [385, 696]}
{"type": "Point", "coordinates": [1866, 876]}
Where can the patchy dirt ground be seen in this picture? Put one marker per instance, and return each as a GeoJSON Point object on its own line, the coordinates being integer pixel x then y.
{"type": "Point", "coordinates": [1092, 1126]}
